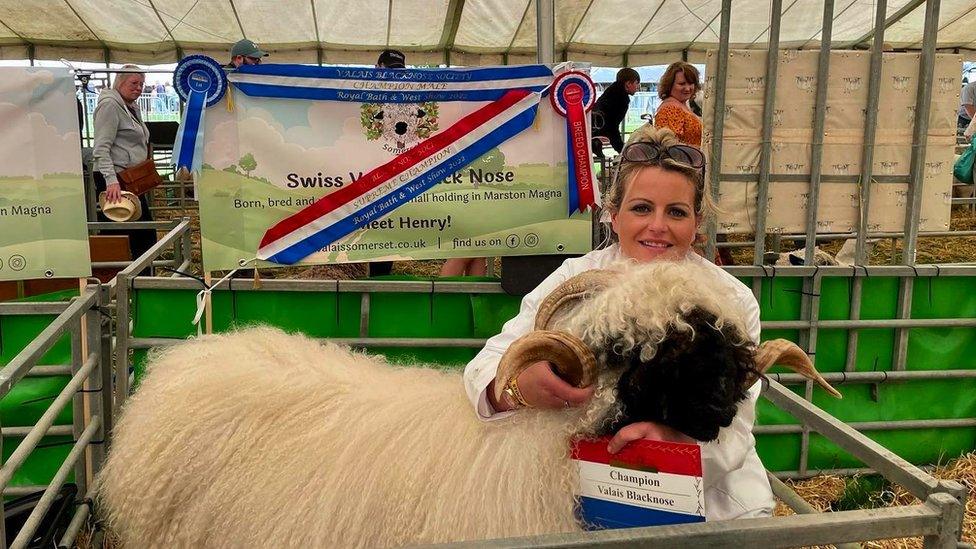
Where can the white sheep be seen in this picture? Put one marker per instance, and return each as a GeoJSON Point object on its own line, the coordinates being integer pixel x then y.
{"type": "Point", "coordinates": [259, 438]}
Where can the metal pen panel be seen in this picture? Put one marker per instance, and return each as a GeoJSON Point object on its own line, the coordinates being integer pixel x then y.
{"type": "Point", "coordinates": [765, 155]}
{"type": "Point", "coordinates": [78, 401]}
{"type": "Point", "coordinates": [718, 119]}
{"type": "Point", "coordinates": [870, 129]}
{"type": "Point", "coordinates": [923, 107]}
{"type": "Point", "coordinates": [819, 116]}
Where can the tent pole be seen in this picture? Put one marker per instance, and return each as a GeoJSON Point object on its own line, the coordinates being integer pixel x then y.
{"type": "Point", "coordinates": [718, 118]}
{"type": "Point", "coordinates": [545, 31]}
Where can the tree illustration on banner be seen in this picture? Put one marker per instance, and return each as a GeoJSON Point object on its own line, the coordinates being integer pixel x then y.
{"type": "Point", "coordinates": [248, 164]}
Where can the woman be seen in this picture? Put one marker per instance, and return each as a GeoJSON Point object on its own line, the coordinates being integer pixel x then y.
{"type": "Point", "coordinates": [657, 204]}
{"type": "Point", "coordinates": [121, 141]}
{"type": "Point", "coordinates": [678, 86]}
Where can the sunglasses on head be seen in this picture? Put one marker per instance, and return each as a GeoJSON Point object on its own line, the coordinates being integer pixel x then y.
{"type": "Point", "coordinates": [646, 151]}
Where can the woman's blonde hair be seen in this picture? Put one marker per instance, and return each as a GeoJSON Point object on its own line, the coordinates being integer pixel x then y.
{"type": "Point", "coordinates": [122, 77]}
{"type": "Point", "coordinates": [627, 171]}
{"type": "Point", "coordinates": [667, 81]}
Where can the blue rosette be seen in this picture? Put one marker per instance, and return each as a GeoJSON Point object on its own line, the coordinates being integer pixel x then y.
{"type": "Point", "coordinates": [201, 82]}
{"type": "Point", "coordinates": [200, 74]}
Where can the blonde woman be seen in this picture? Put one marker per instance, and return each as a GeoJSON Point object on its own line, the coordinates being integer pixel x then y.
{"type": "Point", "coordinates": [121, 141]}
{"type": "Point", "coordinates": [657, 204]}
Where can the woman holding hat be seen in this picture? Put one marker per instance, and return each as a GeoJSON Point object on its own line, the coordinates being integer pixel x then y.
{"type": "Point", "coordinates": [122, 141]}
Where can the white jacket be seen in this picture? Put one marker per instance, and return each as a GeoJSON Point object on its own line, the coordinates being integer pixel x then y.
{"type": "Point", "coordinates": [735, 480]}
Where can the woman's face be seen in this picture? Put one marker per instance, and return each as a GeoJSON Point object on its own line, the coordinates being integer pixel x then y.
{"type": "Point", "coordinates": [682, 89]}
{"type": "Point", "coordinates": [131, 89]}
{"type": "Point", "coordinates": [657, 215]}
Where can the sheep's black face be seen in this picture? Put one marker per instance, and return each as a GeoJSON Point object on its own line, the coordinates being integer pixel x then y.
{"type": "Point", "coordinates": [692, 384]}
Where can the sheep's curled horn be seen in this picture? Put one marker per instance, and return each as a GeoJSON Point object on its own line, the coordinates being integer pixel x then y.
{"type": "Point", "coordinates": [574, 362]}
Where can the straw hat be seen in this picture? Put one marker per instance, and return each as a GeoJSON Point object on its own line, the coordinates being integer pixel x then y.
{"type": "Point", "coordinates": [127, 210]}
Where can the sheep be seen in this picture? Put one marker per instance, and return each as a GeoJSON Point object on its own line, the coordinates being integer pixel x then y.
{"type": "Point", "coordinates": [257, 438]}
{"type": "Point", "coordinates": [843, 257]}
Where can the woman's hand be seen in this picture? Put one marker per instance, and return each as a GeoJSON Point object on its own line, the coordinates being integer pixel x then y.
{"type": "Point", "coordinates": [113, 193]}
{"type": "Point", "coordinates": [645, 430]}
{"type": "Point", "coordinates": [542, 388]}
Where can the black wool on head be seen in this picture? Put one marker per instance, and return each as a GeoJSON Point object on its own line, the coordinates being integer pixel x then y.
{"type": "Point", "coordinates": [693, 383]}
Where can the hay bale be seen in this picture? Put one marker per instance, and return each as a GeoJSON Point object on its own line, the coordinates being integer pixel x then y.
{"type": "Point", "coordinates": [825, 492]}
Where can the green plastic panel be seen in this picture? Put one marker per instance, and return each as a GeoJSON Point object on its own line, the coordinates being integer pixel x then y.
{"type": "Point", "coordinates": [28, 400]}
{"type": "Point", "coordinates": [167, 313]}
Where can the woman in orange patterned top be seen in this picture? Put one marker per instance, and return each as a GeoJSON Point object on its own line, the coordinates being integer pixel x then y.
{"type": "Point", "coordinates": [678, 85]}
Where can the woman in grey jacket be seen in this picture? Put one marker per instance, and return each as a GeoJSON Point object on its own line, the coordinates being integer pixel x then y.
{"type": "Point", "coordinates": [121, 141]}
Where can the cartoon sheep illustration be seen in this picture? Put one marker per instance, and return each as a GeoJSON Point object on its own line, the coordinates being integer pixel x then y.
{"type": "Point", "coordinates": [401, 125]}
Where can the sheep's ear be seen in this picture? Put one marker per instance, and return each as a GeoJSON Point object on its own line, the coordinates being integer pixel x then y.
{"type": "Point", "coordinates": [786, 353]}
{"type": "Point", "coordinates": [569, 291]}
{"type": "Point", "coordinates": [572, 359]}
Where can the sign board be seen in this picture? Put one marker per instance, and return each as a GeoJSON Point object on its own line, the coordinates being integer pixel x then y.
{"type": "Point", "coordinates": [43, 232]}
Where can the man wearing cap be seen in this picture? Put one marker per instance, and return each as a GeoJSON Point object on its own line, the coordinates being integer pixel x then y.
{"type": "Point", "coordinates": [391, 59]}
{"type": "Point", "coordinates": [388, 59]}
{"type": "Point", "coordinates": [245, 52]}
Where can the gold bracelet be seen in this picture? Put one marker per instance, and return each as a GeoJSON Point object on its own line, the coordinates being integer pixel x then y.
{"type": "Point", "coordinates": [512, 390]}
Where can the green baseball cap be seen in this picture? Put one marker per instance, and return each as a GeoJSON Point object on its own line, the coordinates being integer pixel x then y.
{"type": "Point", "coordinates": [247, 49]}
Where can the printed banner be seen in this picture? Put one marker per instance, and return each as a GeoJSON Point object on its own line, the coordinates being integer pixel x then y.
{"type": "Point", "coordinates": [492, 180]}
{"type": "Point", "coordinates": [42, 195]}
{"type": "Point", "coordinates": [646, 484]}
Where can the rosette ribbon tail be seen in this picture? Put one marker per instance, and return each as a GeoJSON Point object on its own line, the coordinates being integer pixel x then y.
{"type": "Point", "coordinates": [188, 150]}
{"type": "Point", "coordinates": [573, 94]}
{"type": "Point", "coordinates": [201, 82]}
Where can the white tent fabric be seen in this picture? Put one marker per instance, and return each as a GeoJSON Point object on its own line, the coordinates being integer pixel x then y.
{"type": "Point", "coordinates": [457, 32]}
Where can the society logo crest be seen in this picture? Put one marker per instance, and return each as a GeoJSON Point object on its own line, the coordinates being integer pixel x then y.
{"type": "Point", "coordinates": [399, 125]}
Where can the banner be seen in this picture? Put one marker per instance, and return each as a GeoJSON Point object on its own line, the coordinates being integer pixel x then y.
{"type": "Point", "coordinates": [42, 195]}
{"type": "Point", "coordinates": [417, 164]}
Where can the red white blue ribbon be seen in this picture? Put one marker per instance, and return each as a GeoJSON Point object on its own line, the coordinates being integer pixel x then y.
{"type": "Point", "coordinates": [395, 183]}
{"type": "Point", "coordinates": [369, 85]}
{"type": "Point", "coordinates": [573, 95]}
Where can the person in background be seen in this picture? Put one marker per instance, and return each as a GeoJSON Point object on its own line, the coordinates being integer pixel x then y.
{"type": "Point", "coordinates": [967, 104]}
{"type": "Point", "coordinates": [391, 59]}
{"type": "Point", "coordinates": [388, 59]}
{"type": "Point", "coordinates": [678, 86]}
{"type": "Point", "coordinates": [611, 108]}
{"type": "Point", "coordinates": [122, 140]}
{"type": "Point", "coordinates": [245, 52]}
{"type": "Point", "coordinates": [172, 100]}
{"type": "Point", "coordinates": [465, 266]}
